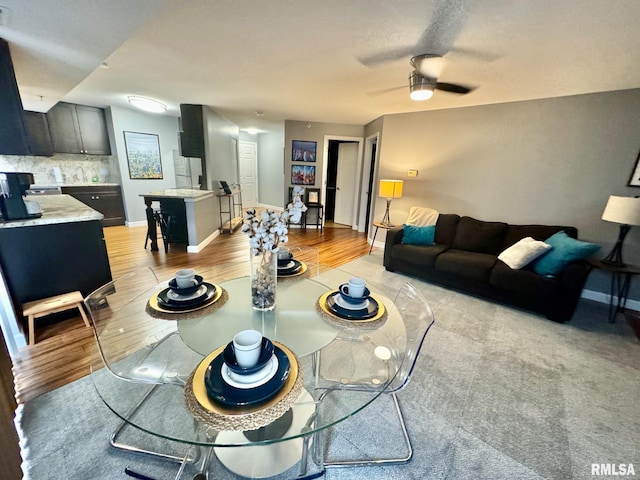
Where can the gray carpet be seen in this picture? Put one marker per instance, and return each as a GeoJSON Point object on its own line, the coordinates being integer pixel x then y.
{"type": "Point", "coordinates": [498, 393]}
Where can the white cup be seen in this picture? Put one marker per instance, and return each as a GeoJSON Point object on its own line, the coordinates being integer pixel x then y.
{"type": "Point", "coordinates": [284, 253]}
{"type": "Point", "coordinates": [355, 288]}
{"type": "Point", "coordinates": [186, 278]}
{"type": "Point", "coordinates": [247, 346]}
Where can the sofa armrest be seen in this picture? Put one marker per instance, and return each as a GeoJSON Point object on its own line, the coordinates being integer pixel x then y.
{"type": "Point", "coordinates": [394, 237]}
{"type": "Point", "coordinates": [573, 278]}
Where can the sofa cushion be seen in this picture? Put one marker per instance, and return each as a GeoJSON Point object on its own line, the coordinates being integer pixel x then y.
{"type": "Point", "coordinates": [525, 282]}
{"type": "Point", "coordinates": [446, 228]}
{"type": "Point", "coordinates": [565, 250]}
{"type": "Point", "coordinates": [523, 252]}
{"type": "Point", "coordinates": [418, 235]}
{"type": "Point", "coordinates": [477, 236]}
{"type": "Point", "coordinates": [516, 233]}
{"type": "Point", "coordinates": [422, 255]}
{"type": "Point", "coordinates": [422, 216]}
{"type": "Point", "coordinates": [470, 265]}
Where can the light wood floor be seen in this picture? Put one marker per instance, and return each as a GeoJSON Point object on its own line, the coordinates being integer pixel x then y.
{"type": "Point", "coordinates": [63, 350]}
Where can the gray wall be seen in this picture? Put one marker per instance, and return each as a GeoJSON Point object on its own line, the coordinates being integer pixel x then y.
{"type": "Point", "coordinates": [271, 178]}
{"type": "Point", "coordinates": [552, 161]}
{"type": "Point", "coordinates": [123, 119]}
{"type": "Point", "coordinates": [221, 152]}
{"type": "Point", "coordinates": [296, 130]}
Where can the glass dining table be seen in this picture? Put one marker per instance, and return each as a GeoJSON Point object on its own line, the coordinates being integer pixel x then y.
{"type": "Point", "coordinates": [156, 362]}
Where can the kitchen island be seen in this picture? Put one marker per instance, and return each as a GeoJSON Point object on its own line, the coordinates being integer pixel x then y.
{"type": "Point", "coordinates": [193, 216]}
{"type": "Point", "coordinates": [60, 252]}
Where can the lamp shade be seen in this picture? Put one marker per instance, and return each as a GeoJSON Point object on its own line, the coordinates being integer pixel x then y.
{"type": "Point", "coordinates": [624, 210]}
{"type": "Point", "coordinates": [390, 189]}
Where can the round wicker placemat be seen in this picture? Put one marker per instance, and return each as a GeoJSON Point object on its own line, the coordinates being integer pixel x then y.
{"type": "Point", "coordinates": [303, 272]}
{"type": "Point", "coordinates": [219, 299]}
{"type": "Point", "coordinates": [222, 417]}
{"type": "Point", "coordinates": [367, 324]}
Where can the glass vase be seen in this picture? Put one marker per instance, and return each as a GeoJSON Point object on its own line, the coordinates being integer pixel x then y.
{"type": "Point", "coordinates": [264, 279]}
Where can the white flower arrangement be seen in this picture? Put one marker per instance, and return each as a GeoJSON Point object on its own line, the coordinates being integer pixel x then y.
{"type": "Point", "coordinates": [268, 229]}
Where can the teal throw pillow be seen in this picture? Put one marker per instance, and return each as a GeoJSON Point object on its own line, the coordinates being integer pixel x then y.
{"type": "Point", "coordinates": [565, 250]}
{"type": "Point", "coordinates": [413, 235]}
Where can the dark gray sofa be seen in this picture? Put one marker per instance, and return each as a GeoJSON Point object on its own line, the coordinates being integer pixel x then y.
{"type": "Point", "coordinates": [465, 257]}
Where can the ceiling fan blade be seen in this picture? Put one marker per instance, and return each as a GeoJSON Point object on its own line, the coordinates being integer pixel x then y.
{"type": "Point", "coordinates": [387, 56]}
{"type": "Point", "coordinates": [446, 23]}
{"type": "Point", "coordinates": [452, 88]}
{"type": "Point", "coordinates": [375, 93]}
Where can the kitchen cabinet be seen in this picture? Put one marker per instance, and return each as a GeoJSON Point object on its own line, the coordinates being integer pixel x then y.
{"type": "Point", "coordinates": [13, 135]}
{"type": "Point", "coordinates": [38, 135]}
{"type": "Point", "coordinates": [106, 199]}
{"type": "Point", "coordinates": [78, 129]}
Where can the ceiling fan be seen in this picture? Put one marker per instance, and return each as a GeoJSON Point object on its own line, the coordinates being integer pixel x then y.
{"type": "Point", "coordinates": [438, 37]}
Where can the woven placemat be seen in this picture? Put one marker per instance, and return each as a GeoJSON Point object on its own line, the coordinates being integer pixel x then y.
{"type": "Point", "coordinates": [296, 276]}
{"type": "Point", "coordinates": [254, 418]}
{"type": "Point", "coordinates": [344, 323]}
{"type": "Point", "coordinates": [198, 312]}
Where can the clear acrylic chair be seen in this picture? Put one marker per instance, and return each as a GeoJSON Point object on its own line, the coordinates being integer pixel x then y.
{"type": "Point", "coordinates": [417, 318]}
{"type": "Point", "coordinates": [136, 347]}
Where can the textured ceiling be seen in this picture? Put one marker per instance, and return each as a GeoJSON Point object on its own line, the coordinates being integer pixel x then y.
{"type": "Point", "coordinates": [316, 60]}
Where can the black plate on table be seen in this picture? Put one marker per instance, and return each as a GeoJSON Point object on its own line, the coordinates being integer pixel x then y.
{"type": "Point", "coordinates": [350, 299]}
{"type": "Point", "coordinates": [187, 290]}
{"type": "Point", "coordinates": [166, 302]}
{"type": "Point", "coordinates": [222, 392]}
{"type": "Point", "coordinates": [362, 314]}
{"type": "Point", "coordinates": [282, 262]}
{"type": "Point", "coordinates": [291, 270]}
{"type": "Point", "coordinates": [229, 357]}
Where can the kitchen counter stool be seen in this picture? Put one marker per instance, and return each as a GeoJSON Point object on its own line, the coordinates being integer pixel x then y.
{"type": "Point", "coordinates": [47, 306]}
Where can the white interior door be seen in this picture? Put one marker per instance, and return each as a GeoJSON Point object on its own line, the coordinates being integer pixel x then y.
{"type": "Point", "coordinates": [346, 183]}
{"type": "Point", "coordinates": [248, 173]}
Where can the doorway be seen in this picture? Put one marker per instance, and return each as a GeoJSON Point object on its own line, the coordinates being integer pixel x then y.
{"type": "Point", "coordinates": [248, 172]}
{"type": "Point", "coordinates": [341, 183]}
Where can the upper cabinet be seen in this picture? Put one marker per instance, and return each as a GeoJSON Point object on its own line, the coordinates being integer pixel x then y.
{"type": "Point", "coordinates": [78, 129]}
{"type": "Point", "coordinates": [13, 135]}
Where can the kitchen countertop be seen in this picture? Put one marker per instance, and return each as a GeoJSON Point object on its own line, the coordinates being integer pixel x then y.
{"type": "Point", "coordinates": [56, 209]}
{"type": "Point", "coordinates": [183, 193]}
{"type": "Point", "coordinates": [87, 184]}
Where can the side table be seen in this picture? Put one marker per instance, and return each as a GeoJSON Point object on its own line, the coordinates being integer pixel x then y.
{"type": "Point", "coordinates": [621, 276]}
{"type": "Point", "coordinates": [378, 225]}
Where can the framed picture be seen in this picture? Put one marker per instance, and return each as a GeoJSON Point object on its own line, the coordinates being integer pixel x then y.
{"type": "Point", "coordinates": [313, 196]}
{"type": "Point", "coordinates": [303, 151]}
{"type": "Point", "coordinates": [634, 179]}
{"type": "Point", "coordinates": [303, 175]}
{"type": "Point", "coordinates": [143, 155]}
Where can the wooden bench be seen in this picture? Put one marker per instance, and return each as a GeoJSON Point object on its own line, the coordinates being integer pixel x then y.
{"type": "Point", "coordinates": [47, 306]}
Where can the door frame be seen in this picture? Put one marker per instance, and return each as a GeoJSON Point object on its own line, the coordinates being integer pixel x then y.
{"type": "Point", "coordinates": [254, 166]}
{"type": "Point", "coordinates": [364, 185]}
{"type": "Point", "coordinates": [357, 180]}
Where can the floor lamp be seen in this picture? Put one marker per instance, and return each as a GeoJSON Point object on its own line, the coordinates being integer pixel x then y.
{"type": "Point", "coordinates": [626, 212]}
{"type": "Point", "coordinates": [389, 189]}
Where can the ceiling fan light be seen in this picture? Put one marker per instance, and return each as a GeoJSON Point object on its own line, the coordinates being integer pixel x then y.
{"type": "Point", "coordinates": [147, 104]}
{"type": "Point", "coordinates": [420, 87]}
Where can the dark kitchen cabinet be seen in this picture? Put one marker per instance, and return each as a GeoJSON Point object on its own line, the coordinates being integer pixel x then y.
{"type": "Point", "coordinates": [78, 129]}
{"type": "Point", "coordinates": [38, 135]}
{"type": "Point", "coordinates": [106, 199]}
{"type": "Point", "coordinates": [13, 135]}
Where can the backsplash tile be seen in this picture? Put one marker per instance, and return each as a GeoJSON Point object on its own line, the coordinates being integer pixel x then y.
{"type": "Point", "coordinates": [76, 168]}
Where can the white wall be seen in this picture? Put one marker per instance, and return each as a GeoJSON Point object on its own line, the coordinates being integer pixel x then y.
{"type": "Point", "coordinates": [271, 179]}
{"type": "Point", "coordinates": [551, 161]}
{"type": "Point", "coordinates": [120, 120]}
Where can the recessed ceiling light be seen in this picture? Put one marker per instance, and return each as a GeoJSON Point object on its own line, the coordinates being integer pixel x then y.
{"type": "Point", "coordinates": [252, 131]}
{"type": "Point", "coordinates": [147, 104]}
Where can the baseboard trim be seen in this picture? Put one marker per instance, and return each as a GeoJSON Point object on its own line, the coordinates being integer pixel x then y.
{"type": "Point", "coordinates": [605, 298]}
{"type": "Point", "coordinates": [204, 243]}
{"type": "Point", "coordinates": [142, 223]}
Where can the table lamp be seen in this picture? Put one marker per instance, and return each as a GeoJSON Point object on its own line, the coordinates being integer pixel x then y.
{"type": "Point", "coordinates": [626, 212]}
{"type": "Point", "coordinates": [389, 189]}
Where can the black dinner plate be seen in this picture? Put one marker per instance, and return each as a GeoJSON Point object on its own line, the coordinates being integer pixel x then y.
{"type": "Point", "coordinates": [291, 270]}
{"type": "Point", "coordinates": [165, 302]}
{"type": "Point", "coordinates": [220, 391]}
{"type": "Point", "coordinates": [185, 291]}
{"type": "Point", "coordinates": [361, 314]}
{"type": "Point", "coordinates": [229, 358]}
{"type": "Point", "coordinates": [284, 261]}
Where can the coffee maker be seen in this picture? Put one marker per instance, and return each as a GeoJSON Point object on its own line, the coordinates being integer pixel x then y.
{"type": "Point", "coordinates": [13, 187]}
